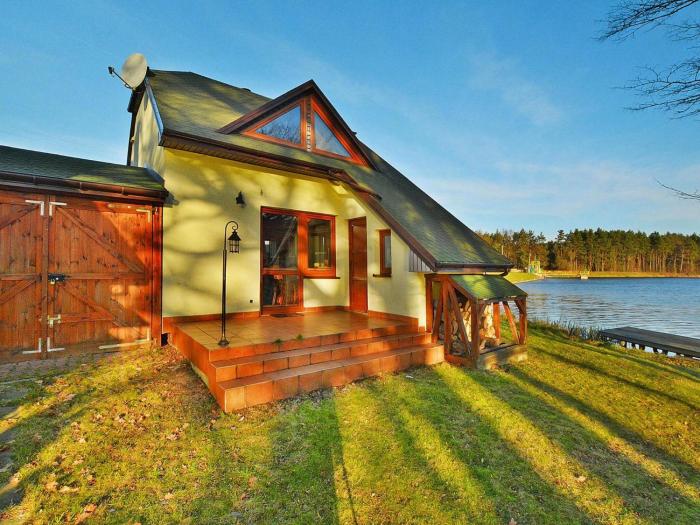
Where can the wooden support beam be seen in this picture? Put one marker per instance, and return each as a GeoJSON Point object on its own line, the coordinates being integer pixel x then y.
{"type": "Point", "coordinates": [511, 321]}
{"type": "Point", "coordinates": [438, 319]}
{"type": "Point", "coordinates": [522, 320]}
{"type": "Point", "coordinates": [446, 315]}
{"type": "Point", "coordinates": [497, 321]}
{"type": "Point", "coordinates": [476, 340]}
{"type": "Point", "coordinates": [459, 318]}
{"type": "Point", "coordinates": [428, 303]}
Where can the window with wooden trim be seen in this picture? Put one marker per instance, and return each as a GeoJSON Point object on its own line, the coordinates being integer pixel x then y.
{"type": "Point", "coordinates": [307, 125]}
{"type": "Point", "coordinates": [385, 253]}
{"type": "Point", "coordinates": [295, 245]}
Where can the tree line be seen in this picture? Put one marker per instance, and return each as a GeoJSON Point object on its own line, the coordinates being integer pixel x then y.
{"type": "Point", "coordinates": [600, 250]}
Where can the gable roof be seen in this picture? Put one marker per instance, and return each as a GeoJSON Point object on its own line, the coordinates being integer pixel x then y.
{"type": "Point", "coordinates": [193, 109]}
{"type": "Point", "coordinates": [308, 88]}
{"type": "Point", "coordinates": [36, 167]}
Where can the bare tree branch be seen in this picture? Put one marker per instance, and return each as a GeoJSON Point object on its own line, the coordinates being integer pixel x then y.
{"type": "Point", "coordinates": [628, 17]}
{"type": "Point", "coordinates": [680, 193]}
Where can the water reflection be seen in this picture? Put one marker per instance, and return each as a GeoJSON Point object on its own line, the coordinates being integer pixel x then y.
{"type": "Point", "coordinates": [666, 305]}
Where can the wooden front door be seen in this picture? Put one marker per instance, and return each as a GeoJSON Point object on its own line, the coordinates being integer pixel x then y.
{"type": "Point", "coordinates": [357, 229]}
{"type": "Point", "coordinates": [82, 273]}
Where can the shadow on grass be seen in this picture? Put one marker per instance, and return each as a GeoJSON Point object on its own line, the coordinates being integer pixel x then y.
{"type": "Point", "coordinates": [616, 377]}
{"type": "Point", "coordinates": [512, 488]}
{"type": "Point", "coordinates": [610, 351]}
{"type": "Point", "coordinates": [299, 482]}
{"type": "Point", "coordinates": [667, 458]}
{"type": "Point", "coordinates": [646, 496]}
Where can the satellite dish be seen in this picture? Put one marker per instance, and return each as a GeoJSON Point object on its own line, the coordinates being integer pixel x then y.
{"type": "Point", "coordinates": [134, 70]}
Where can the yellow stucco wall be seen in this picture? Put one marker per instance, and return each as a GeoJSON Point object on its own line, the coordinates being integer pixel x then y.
{"type": "Point", "coordinates": [203, 193]}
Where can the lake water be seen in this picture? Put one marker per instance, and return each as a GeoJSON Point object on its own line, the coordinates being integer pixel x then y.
{"type": "Point", "coordinates": [665, 305]}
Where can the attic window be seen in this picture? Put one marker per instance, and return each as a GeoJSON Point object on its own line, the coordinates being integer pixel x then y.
{"type": "Point", "coordinates": [285, 127]}
{"type": "Point", "coordinates": [307, 125]}
{"type": "Point", "coordinates": [325, 139]}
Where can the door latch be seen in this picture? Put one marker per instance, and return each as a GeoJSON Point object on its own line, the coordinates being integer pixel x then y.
{"type": "Point", "coordinates": [53, 319]}
{"type": "Point", "coordinates": [57, 278]}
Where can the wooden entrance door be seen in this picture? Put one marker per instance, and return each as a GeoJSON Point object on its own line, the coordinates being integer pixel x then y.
{"type": "Point", "coordinates": [75, 275]}
{"type": "Point", "coordinates": [357, 230]}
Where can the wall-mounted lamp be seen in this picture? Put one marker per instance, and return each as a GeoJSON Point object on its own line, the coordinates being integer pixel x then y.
{"type": "Point", "coordinates": [240, 200]}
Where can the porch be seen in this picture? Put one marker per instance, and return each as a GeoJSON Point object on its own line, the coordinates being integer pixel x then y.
{"type": "Point", "coordinates": [275, 357]}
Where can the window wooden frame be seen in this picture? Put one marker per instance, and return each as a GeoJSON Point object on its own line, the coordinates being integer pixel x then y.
{"type": "Point", "coordinates": [384, 237]}
{"type": "Point", "coordinates": [302, 270]}
{"type": "Point", "coordinates": [308, 105]}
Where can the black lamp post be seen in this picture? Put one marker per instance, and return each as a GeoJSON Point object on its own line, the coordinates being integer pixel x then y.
{"type": "Point", "coordinates": [232, 244]}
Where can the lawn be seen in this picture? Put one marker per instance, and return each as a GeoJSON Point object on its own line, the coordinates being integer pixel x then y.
{"type": "Point", "coordinates": [580, 433]}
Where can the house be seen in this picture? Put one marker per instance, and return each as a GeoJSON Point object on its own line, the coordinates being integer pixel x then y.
{"type": "Point", "coordinates": [344, 269]}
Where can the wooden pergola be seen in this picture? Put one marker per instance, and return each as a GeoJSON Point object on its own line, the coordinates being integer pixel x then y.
{"type": "Point", "coordinates": [464, 312]}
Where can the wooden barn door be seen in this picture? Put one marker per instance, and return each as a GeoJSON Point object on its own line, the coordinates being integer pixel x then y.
{"type": "Point", "coordinates": [22, 264]}
{"type": "Point", "coordinates": [99, 275]}
{"type": "Point", "coordinates": [75, 275]}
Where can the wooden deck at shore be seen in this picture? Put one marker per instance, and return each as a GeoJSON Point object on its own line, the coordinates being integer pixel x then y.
{"type": "Point", "coordinates": [657, 341]}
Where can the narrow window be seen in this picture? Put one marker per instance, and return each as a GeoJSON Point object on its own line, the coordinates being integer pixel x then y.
{"type": "Point", "coordinates": [319, 233]}
{"type": "Point", "coordinates": [385, 253]}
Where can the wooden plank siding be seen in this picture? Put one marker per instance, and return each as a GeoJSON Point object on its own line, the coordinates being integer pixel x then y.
{"type": "Point", "coordinates": [76, 275]}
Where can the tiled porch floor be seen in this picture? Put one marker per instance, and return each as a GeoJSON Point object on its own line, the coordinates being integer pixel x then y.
{"type": "Point", "coordinates": [267, 329]}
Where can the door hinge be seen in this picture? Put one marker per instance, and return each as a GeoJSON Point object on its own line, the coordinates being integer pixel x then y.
{"type": "Point", "coordinates": [145, 210]}
{"type": "Point", "coordinates": [37, 351]}
{"type": "Point", "coordinates": [48, 346]}
{"type": "Point", "coordinates": [52, 204]}
{"type": "Point", "coordinates": [40, 203]}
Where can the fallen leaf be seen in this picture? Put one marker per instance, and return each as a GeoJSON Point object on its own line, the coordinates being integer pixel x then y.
{"type": "Point", "coordinates": [87, 512]}
{"type": "Point", "coordinates": [169, 495]}
{"type": "Point", "coordinates": [51, 486]}
{"type": "Point", "coordinates": [581, 478]}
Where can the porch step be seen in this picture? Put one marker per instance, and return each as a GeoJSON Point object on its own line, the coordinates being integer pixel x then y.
{"type": "Point", "coordinates": [247, 366]}
{"type": "Point", "coordinates": [225, 354]}
{"type": "Point", "coordinates": [264, 388]}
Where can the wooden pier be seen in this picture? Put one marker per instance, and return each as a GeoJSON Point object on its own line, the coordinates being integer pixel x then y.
{"type": "Point", "coordinates": [657, 341]}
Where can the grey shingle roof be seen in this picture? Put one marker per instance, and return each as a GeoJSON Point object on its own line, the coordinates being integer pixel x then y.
{"type": "Point", "coordinates": [60, 167]}
{"type": "Point", "coordinates": [198, 106]}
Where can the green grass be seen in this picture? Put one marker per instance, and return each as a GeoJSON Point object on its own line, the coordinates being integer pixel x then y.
{"type": "Point", "coordinates": [519, 277]}
{"type": "Point", "coordinates": [617, 275]}
{"type": "Point", "coordinates": [581, 433]}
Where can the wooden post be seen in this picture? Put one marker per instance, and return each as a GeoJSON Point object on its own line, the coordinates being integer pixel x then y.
{"type": "Point", "coordinates": [446, 313]}
{"type": "Point", "coordinates": [428, 303]}
{"type": "Point", "coordinates": [459, 318]}
{"type": "Point", "coordinates": [476, 321]}
{"type": "Point", "coordinates": [511, 322]}
{"type": "Point", "coordinates": [522, 320]}
{"type": "Point", "coordinates": [497, 321]}
{"type": "Point", "coordinates": [438, 318]}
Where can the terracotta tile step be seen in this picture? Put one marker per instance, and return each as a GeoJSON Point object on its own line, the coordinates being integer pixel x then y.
{"type": "Point", "coordinates": [271, 362]}
{"type": "Point", "coordinates": [263, 388]}
{"type": "Point", "coordinates": [220, 354]}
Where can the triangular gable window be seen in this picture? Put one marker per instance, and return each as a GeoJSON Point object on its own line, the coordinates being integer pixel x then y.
{"type": "Point", "coordinates": [285, 127]}
{"type": "Point", "coordinates": [325, 139]}
{"type": "Point", "coordinates": [307, 125]}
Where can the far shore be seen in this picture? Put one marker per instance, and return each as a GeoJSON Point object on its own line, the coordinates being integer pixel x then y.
{"type": "Point", "coordinates": [519, 277]}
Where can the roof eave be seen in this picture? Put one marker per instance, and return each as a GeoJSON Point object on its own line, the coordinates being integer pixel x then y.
{"type": "Point", "coordinates": [39, 182]}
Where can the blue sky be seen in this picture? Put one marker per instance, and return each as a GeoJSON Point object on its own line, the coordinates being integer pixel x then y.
{"type": "Point", "coordinates": [506, 112]}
